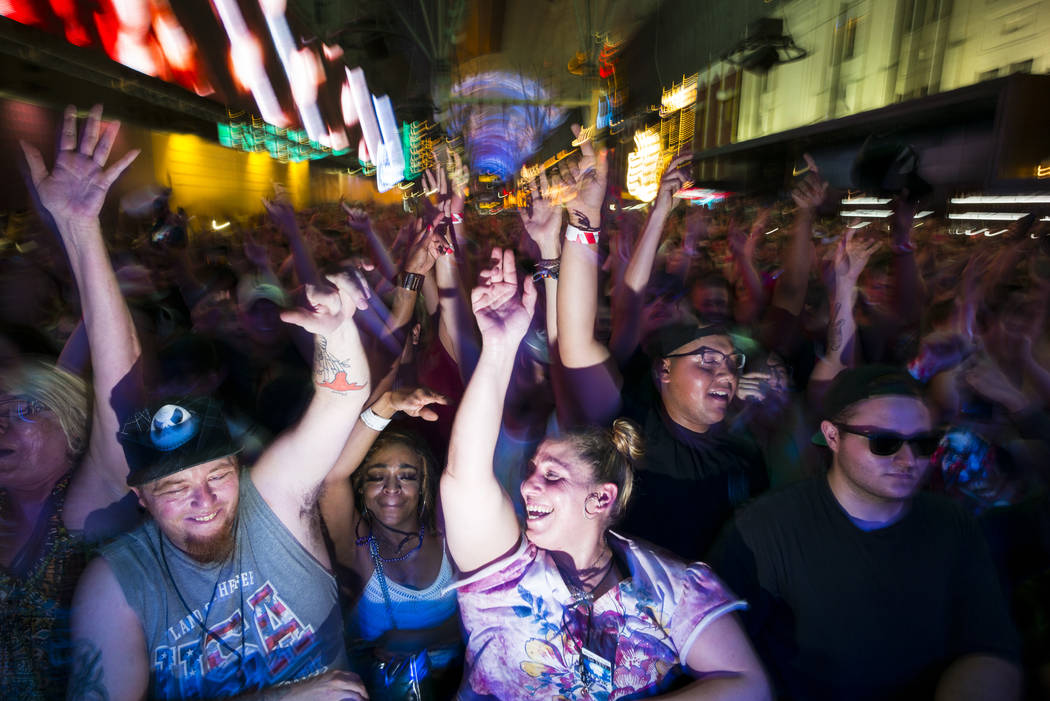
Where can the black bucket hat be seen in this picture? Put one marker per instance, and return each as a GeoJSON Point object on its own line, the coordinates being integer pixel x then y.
{"type": "Point", "coordinates": [173, 437]}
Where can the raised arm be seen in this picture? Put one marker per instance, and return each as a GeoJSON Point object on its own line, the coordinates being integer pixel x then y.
{"type": "Point", "coordinates": [480, 525]}
{"type": "Point", "coordinates": [289, 473]}
{"type": "Point", "coordinates": [73, 194]}
{"type": "Point", "coordinates": [283, 216]}
{"type": "Point", "coordinates": [742, 248]}
{"type": "Point", "coordinates": [629, 297]}
{"type": "Point", "coordinates": [850, 258]}
{"type": "Point", "coordinates": [790, 291]}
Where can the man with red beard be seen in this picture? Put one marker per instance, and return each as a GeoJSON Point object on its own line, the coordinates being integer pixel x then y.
{"type": "Point", "coordinates": [227, 590]}
{"type": "Point", "coordinates": [696, 472]}
{"type": "Point", "coordinates": [859, 585]}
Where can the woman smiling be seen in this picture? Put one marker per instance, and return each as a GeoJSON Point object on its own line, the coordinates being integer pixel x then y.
{"type": "Point", "coordinates": [570, 609]}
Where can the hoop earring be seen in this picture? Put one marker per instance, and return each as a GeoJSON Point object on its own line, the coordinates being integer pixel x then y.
{"type": "Point", "coordinates": [586, 511]}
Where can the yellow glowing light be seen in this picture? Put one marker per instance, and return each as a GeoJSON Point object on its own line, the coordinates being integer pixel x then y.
{"type": "Point", "coordinates": [643, 166]}
{"type": "Point", "coordinates": [679, 96]}
{"type": "Point", "coordinates": [1042, 171]}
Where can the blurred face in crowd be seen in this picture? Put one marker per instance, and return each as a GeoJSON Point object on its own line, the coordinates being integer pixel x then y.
{"type": "Point", "coordinates": [555, 490]}
{"type": "Point", "coordinates": [262, 322]}
{"type": "Point", "coordinates": [878, 481]}
{"type": "Point", "coordinates": [34, 453]}
{"type": "Point", "coordinates": [711, 302]}
{"type": "Point", "coordinates": [392, 486]}
{"type": "Point", "coordinates": [876, 286]}
{"type": "Point", "coordinates": [697, 394]}
{"type": "Point", "coordinates": [196, 508]}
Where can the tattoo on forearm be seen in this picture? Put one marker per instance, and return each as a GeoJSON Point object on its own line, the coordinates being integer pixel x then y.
{"type": "Point", "coordinates": [835, 339]}
{"type": "Point", "coordinates": [331, 372]}
{"type": "Point", "coordinates": [582, 219]}
{"type": "Point", "coordinates": [85, 680]}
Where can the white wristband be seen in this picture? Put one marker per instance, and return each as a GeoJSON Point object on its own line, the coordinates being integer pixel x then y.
{"type": "Point", "coordinates": [574, 234]}
{"type": "Point", "coordinates": [373, 420]}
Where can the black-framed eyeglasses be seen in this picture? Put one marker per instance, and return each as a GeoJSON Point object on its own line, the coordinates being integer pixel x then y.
{"type": "Point", "coordinates": [884, 443]}
{"type": "Point", "coordinates": [712, 358]}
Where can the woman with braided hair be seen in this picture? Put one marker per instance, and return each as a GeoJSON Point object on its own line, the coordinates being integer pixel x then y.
{"type": "Point", "coordinates": [379, 509]}
{"type": "Point", "coordinates": [569, 609]}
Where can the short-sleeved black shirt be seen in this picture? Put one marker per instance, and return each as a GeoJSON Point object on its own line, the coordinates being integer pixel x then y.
{"type": "Point", "coordinates": [690, 482]}
{"type": "Point", "coordinates": [838, 612]}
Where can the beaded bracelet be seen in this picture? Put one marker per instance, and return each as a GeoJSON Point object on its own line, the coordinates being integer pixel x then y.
{"type": "Point", "coordinates": [545, 274]}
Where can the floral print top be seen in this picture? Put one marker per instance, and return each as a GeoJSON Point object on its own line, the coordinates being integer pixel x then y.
{"type": "Point", "coordinates": [525, 626]}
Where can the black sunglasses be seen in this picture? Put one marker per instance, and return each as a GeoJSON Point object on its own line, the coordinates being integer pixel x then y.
{"type": "Point", "coordinates": [884, 443]}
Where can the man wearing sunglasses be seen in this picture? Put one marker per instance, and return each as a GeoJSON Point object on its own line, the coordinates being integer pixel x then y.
{"type": "Point", "coordinates": [860, 585]}
{"type": "Point", "coordinates": [696, 471]}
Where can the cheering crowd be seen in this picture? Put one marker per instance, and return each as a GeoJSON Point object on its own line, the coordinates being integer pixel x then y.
{"type": "Point", "coordinates": [578, 451]}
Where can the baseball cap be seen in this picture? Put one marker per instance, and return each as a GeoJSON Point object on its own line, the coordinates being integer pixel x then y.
{"type": "Point", "coordinates": [253, 287]}
{"type": "Point", "coordinates": [670, 337]}
{"type": "Point", "coordinates": [175, 436]}
{"type": "Point", "coordinates": [854, 385]}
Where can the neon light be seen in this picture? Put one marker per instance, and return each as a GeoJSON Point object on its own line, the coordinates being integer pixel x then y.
{"type": "Point", "coordinates": [1042, 171]}
{"type": "Point", "coordinates": [643, 166]}
{"type": "Point", "coordinates": [215, 226]}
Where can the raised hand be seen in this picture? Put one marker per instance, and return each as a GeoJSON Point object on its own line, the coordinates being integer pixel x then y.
{"type": "Point", "coordinates": [851, 255]}
{"type": "Point", "coordinates": [414, 401]}
{"type": "Point", "coordinates": [674, 178]}
{"type": "Point", "coordinates": [281, 212]}
{"type": "Point", "coordinates": [330, 318]}
{"type": "Point", "coordinates": [502, 314]}
{"type": "Point", "coordinates": [810, 192]}
{"type": "Point", "coordinates": [357, 218]}
{"type": "Point", "coordinates": [542, 218]}
{"type": "Point", "coordinates": [589, 175]}
{"type": "Point", "coordinates": [424, 251]}
{"type": "Point", "coordinates": [76, 187]}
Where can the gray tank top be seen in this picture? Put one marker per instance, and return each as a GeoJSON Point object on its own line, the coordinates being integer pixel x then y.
{"type": "Point", "coordinates": [270, 610]}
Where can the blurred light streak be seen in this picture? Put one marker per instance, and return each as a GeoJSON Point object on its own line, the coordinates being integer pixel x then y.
{"type": "Point", "coordinates": [362, 102]}
{"type": "Point", "coordinates": [643, 166]}
{"type": "Point", "coordinates": [254, 70]}
{"type": "Point", "coordinates": [987, 216]}
{"type": "Point", "coordinates": [1003, 199]}
{"type": "Point", "coordinates": [503, 118]}
{"type": "Point", "coordinates": [868, 213]}
{"type": "Point", "coordinates": [302, 67]}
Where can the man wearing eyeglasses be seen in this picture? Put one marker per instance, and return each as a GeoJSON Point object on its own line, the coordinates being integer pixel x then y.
{"type": "Point", "coordinates": [860, 585]}
{"type": "Point", "coordinates": [696, 471]}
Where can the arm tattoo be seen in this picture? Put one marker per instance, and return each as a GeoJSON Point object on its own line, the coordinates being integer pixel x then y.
{"type": "Point", "coordinates": [582, 219]}
{"type": "Point", "coordinates": [836, 340]}
{"type": "Point", "coordinates": [85, 680]}
{"type": "Point", "coordinates": [331, 372]}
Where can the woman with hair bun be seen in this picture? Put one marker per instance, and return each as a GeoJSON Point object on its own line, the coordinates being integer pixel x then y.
{"type": "Point", "coordinates": [570, 609]}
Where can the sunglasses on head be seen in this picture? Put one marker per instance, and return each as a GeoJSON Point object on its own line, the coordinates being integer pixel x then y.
{"type": "Point", "coordinates": [885, 443]}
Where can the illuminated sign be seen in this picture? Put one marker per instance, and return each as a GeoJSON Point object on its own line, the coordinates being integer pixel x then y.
{"type": "Point", "coordinates": [418, 146]}
{"type": "Point", "coordinates": [644, 166]}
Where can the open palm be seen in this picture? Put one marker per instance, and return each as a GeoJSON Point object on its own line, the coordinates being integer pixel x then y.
{"type": "Point", "coordinates": [502, 315]}
{"type": "Point", "coordinates": [77, 185]}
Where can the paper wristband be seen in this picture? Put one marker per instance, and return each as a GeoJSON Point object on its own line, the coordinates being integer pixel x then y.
{"type": "Point", "coordinates": [574, 234]}
{"type": "Point", "coordinates": [373, 420]}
